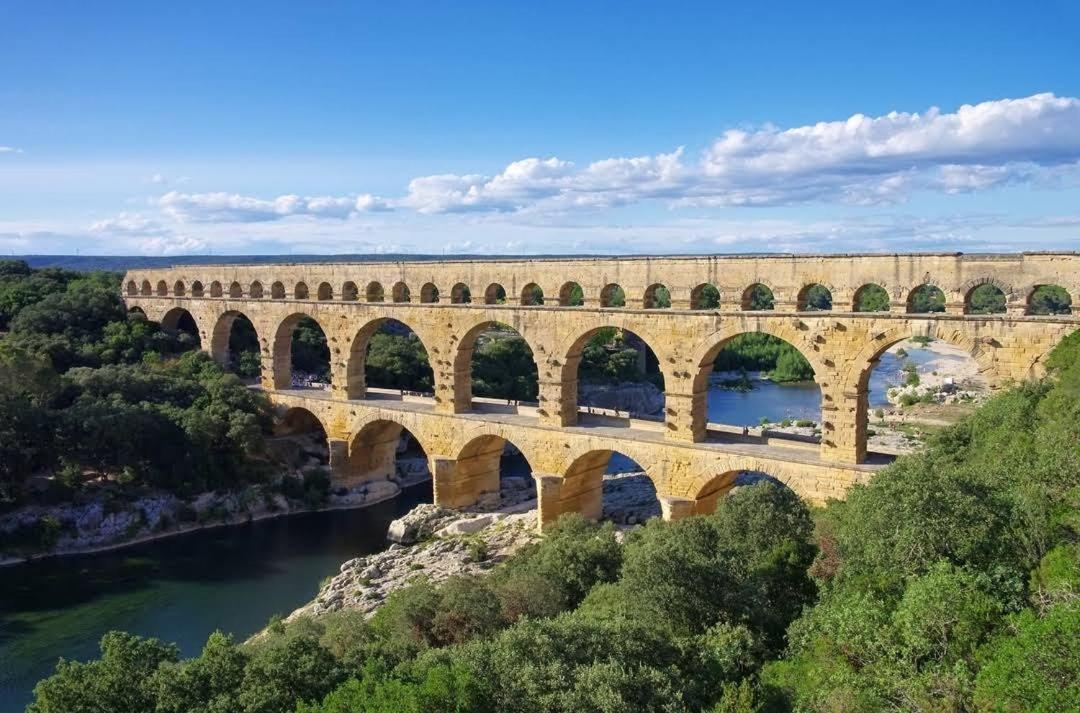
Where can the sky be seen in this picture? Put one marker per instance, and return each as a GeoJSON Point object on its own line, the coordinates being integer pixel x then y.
{"type": "Point", "coordinates": [538, 128]}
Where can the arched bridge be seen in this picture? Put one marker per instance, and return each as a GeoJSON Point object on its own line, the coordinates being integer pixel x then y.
{"type": "Point", "coordinates": [558, 304]}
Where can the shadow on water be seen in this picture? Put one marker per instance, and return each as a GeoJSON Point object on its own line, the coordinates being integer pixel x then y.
{"type": "Point", "coordinates": [178, 589]}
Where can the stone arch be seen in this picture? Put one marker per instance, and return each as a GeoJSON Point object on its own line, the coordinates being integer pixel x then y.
{"type": "Point", "coordinates": [196, 289]}
{"type": "Point", "coordinates": [870, 297]}
{"type": "Point", "coordinates": [476, 472]}
{"type": "Point", "coordinates": [429, 293]}
{"type": "Point", "coordinates": [300, 291]}
{"type": "Point", "coordinates": [401, 292]}
{"type": "Point", "coordinates": [146, 289]}
{"type": "Point", "coordinates": [282, 349]}
{"type": "Point", "coordinates": [532, 294]}
{"type": "Point", "coordinates": [705, 354]}
{"type": "Point", "coordinates": [571, 358]}
{"type": "Point", "coordinates": [236, 291]}
{"type": "Point", "coordinates": [373, 450]}
{"type": "Point", "coordinates": [463, 362]}
{"type": "Point", "coordinates": [986, 287]}
{"type": "Point", "coordinates": [132, 289]}
{"type": "Point", "coordinates": [350, 292]}
{"type": "Point", "coordinates": [708, 488]}
{"type": "Point", "coordinates": [277, 290]}
{"type": "Point", "coordinates": [571, 295]}
{"type": "Point", "coordinates": [657, 296]}
{"type": "Point", "coordinates": [856, 375]}
{"type": "Point", "coordinates": [136, 311]}
{"type": "Point", "coordinates": [326, 292]}
{"type": "Point", "coordinates": [1048, 298]}
{"type": "Point", "coordinates": [179, 320]}
{"type": "Point", "coordinates": [495, 294]}
{"type": "Point", "coordinates": [215, 289]}
{"type": "Point", "coordinates": [460, 294]}
{"type": "Point", "coordinates": [162, 288]}
{"type": "Point", "coordinates": [374, 292]}
{"type": "Point", "coordinates": [178, 288]}
{"type": "Point", "coordinates": [923, 299]}
{"type": "Point", "coordinates": [815, 297]}
{"type": "Point", "coordinates": [613, 295]}
{"type": "Point", "coordinates": [299, 423]}
{"type": "Point", "coordinates": [356, 364]}
{"type": "Point", "coordinates": [705, 296]}
{"type": "Point", "coordinates": [255, 291]}
{"type": "Point", "coordinates": [220, 348]}
{"type": "Point", "coordinates": [758, 296]}
{"type": "Point", "coordinates": [581, 488]}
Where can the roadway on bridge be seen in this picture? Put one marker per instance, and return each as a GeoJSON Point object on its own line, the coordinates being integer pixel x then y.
{"type": "Point", "coordinates": [600, 422]}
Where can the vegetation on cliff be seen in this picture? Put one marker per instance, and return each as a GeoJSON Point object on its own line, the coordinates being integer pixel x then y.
{"type": "Point", "coordinates": [949, 582]}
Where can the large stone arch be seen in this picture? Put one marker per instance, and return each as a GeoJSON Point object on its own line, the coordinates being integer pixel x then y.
{"type": "Point", "coordinates": [219, 337]}
{"type": "Point", "coordinates": [171, 322]}
{"type": "Point", "coordinates": [281, 348]}
{"type": "Point", "coordinates": [463, 355]}
{"type": "Point", "coordinates": [475, 469]}
{"type": "Point", "coordinates": [355, 386]}
{"type": "Point", "coordinates": [694, 383]}
{"type": "Point", "coordinates": [372, 448]}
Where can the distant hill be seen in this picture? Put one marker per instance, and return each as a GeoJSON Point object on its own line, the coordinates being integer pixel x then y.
{"type": "Point", "coordinates": [120, 263]}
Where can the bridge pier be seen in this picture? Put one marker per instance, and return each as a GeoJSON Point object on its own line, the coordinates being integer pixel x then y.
{"type": "Point", "coordinates": [675, 508]}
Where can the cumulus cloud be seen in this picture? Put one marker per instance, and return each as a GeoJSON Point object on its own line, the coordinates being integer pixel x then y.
{"type": "Point", "coordinates": [127, 224]}
{"type": "Point", "coordinates": [231, 207]}
{"type": "Point", "coordinates": [861, 160]}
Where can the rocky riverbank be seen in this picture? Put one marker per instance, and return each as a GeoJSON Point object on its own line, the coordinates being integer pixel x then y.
{"type": "Point", "coordinates": [110, 519]}
{"type": "Point", "coordinates": [436, 544]}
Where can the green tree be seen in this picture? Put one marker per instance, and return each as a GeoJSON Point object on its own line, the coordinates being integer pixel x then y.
{"type": "Point", "coordinates": [871, 298]}
{"type": "Point", "coordinates": [1050, 299]}
{"type": "Point", "coordinates": [986, 299]}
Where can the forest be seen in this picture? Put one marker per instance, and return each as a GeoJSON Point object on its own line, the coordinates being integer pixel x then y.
{"type": "Point", "coordinates": [948, 583]}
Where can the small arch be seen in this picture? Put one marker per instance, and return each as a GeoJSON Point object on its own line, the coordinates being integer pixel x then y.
{"type": "Point", "coordinates": [146, 290]}
{"type": "Point", "coordinates": [307, 431]}
{"type": "Point", "coordinates": [531, 294]}
{"type": "Point", "coordinates": [277, 291]}
{"type": "Point", "coordinates": [255, 292]}
{"type": "Point", "coordinates": [429, 293]}
{"type": "Point", "coordinates": [460, 294]}
{"type": "Point", "coordinates": [235, 290]}
{"type": "Point", "coordinates": [350, 292]}
{"type": "Point", "coordinates": [300, 291]}
{"type": "Point", "coordinates": [326, 292]}
{"type": "Point", "coordinates": [815, 297]}
{"type": "Point", "coordinates": [132, 288]}
{"type": "Point", "coordinates": [705, 296]}
{"type": "Point", "coordinates": [612, 295]}
{"type": "Point", "coordinates": [986, 298]}
{"type": "Point", "coordinates": [926, 299]}
{"type": "Point", "coordinates": [758, 297]}
{"type": "Point", "coordinates": [196, 289]}
{"type": "Point", "coordinates": [657, 296]}
{"type": "Point", "coordinates": [162, 288]}
{"type": "Point", "coordinates": [215, 289]}
{"type": "Point", "coordinates": [495, 294]}
{"type": "Point", "coordinates": [178, 288]}
{"type": "Point", "coordinates": [571, 295]}
{"type": "Point", "coordinates": [374, 292]}
{"type": "Point", "coordinates": [136, 312]}
{"type": "Point", "coordinates": [1049, 299]}
{"type": "Point", "coordinates": [401, 293]}
{"type": "Point", "coordinates": [870, 297]}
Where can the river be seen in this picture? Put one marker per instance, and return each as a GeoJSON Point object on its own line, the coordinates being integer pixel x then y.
{"type": "Point", "coordinates": [235, 578]}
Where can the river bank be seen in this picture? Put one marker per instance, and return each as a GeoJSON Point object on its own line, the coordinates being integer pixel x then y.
{"type": "Point", "coordinates": [110, 520]}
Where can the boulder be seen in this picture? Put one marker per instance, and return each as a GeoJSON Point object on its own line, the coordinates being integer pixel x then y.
{"type": "Point", "coordinates": [418, 524]}
{"type": "Point", "coordinates": [467, 526]}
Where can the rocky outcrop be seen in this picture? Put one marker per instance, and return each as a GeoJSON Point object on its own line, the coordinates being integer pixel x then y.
{"type": "Point", "coordinates": [639, 399]}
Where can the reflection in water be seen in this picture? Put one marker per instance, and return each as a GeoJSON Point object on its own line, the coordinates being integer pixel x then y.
{"type": "Point", "coordinates": [178, 589]}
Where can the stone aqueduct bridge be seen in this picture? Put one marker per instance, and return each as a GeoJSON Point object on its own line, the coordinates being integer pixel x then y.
{"type": "Point", "coordinates": [689, 461]}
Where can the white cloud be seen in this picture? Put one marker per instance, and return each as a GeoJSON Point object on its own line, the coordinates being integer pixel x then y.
{"type": "Point", "coordinates": [231, 207]}
{"type": "Point", "coordinates": [127, 224]}
{"type": "Point", "coordinates": [9, 149]}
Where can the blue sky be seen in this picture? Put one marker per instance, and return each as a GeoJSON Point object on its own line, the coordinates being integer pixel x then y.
{"type": "Point", "coordinates": [154, 128]}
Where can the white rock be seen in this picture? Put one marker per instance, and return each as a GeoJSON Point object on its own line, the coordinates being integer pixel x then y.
{"type": "Point", "coordinates": [466, 526]}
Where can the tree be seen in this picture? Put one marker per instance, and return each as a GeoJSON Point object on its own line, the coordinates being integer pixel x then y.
{"type": "Point", "coordinates": [208, 682]}
{"type": "Point", "coordinates": [872, 298]}
{"type": "Point", "coordinates": [986, 299]}
{"type": "Point", "coordinates": [121, 681]}
{"type": "Point", "coordinates": [1050, 299]}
